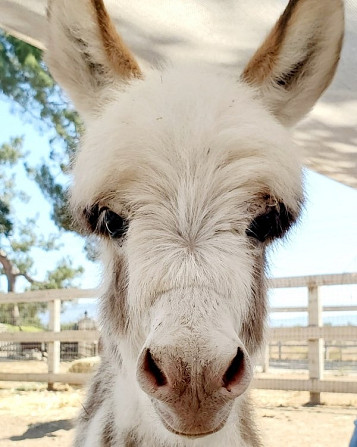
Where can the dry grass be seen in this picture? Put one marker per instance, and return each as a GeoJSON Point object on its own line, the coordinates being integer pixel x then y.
{"type": "Point", "coordinates": [27, 399]}
{"type": "Point", "coordinates": [86, 365]}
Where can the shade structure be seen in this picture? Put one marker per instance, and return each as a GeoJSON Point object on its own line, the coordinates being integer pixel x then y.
{"type": "Point", "coordinates": [225, 33]}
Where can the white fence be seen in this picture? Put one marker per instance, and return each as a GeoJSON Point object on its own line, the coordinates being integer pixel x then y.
{"type": "Point", "coordinates": [315, 332]}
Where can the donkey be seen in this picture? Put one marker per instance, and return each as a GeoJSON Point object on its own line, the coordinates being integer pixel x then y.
{"type": "Point", "coordinates": [186, 175]}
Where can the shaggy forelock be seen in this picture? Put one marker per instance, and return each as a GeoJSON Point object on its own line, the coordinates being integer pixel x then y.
{"type": "Point", "coordinates": [174, 125]}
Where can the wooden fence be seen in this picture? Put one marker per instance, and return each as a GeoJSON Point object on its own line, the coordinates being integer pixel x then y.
{"type": "Point", "coordinates": [314, 332]}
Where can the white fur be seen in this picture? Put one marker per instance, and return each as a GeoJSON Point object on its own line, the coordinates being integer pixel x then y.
{"type": "Point", "coordinates": [93, 436]}
{"type": "Point", "coordinates": [146, 129]}
{"type": "Point", "coordinates": [189, 157]}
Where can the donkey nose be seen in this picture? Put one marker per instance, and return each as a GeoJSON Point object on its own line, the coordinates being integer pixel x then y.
{"type": "Point", "coordinates": [151, 373]}
{"type": "Point", "coordinates": [164, 376]}
{"type": "Point", "coordinates": [238, 375]}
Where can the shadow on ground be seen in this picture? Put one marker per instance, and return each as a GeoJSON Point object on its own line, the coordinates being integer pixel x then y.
{"type": "Point", "coordinates": [44, 429]}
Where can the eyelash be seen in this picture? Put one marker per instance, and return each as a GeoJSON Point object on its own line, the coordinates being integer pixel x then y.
{"type": "Point", "coordinates": [115, 226]}
{"type": "Point", "coordinates": [104, 221]}
{"type": "Point", "coordinates": [268, 226]}
{"type": "Point", "coordinates": [273, 224]}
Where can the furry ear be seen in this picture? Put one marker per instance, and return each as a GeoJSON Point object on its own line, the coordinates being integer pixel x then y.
{"type": "Point", "coordinates": [85, 54]}
{"type": "Point", "coordinates": [298, 59]}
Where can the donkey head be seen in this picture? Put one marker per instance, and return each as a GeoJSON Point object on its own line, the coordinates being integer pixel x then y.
{"type": "Point", "coordinates": [187, 176]}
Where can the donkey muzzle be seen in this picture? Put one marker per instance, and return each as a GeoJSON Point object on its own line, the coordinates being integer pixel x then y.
{"type": "Point", "coordinates": [193, 396]}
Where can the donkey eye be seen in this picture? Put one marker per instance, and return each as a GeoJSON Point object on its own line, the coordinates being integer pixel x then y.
{"type": "Point", "coordinates": [102, 220]}
{"type": "Point", "coordinates": [272, 224]}
{"type": "Point", "coordinates": [113, 224]}
{"type": "Point", "coordinates": [262, 227]}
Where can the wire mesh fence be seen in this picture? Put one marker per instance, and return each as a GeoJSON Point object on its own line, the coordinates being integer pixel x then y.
{"type": "Point", "coordinates": [22, 317]}
{"type": "Point", "coordinates": [33, 318]}
{"type": "Point", "coordinates": [338, 356]}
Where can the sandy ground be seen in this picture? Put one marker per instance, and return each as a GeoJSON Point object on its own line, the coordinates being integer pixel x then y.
{"type": "Point", "coordinates": [32, 416]}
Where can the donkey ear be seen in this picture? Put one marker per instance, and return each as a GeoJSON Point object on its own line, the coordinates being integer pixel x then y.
{"type": "Point", "coordinates": [298, 59]}
{"type": "Point", "coordinates": [85, 54]}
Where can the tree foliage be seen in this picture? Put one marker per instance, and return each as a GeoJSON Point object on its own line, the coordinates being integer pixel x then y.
{"type": "Point", "coordinates": [25, 81]}
{"type": "Point", "coordinates": [10, 153]}
{"type": "Point", "coordinates": [18, 238]}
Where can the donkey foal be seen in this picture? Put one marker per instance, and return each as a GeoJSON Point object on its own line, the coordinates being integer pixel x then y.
{"type": "Point", "coordinates": [186, 175]}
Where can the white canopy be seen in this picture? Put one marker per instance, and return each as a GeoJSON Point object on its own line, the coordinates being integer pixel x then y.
{"type": "Point", "coordinates": [226, 33]}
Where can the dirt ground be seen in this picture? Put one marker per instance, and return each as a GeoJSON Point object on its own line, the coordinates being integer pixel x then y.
{"type": "Point", "coordinates": [32, 416]}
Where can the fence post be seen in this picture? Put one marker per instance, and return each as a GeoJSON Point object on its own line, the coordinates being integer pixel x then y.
{"type": "Point", "coordinates": [266, 357]}
{"type": "Point", "coordinates": [54, 348]}
{"type": "Point", "coordinates": [315, 346]}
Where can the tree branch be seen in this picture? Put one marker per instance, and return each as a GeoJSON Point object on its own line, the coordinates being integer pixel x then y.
{"type": "Point", "coordinates": [29, 278]}
{"type": "Point", "coordinates": [6, 263]}
{"type": "Point", "coordinates": [11, 272]}
{"type": "Point", "coordinates": [8, 270]}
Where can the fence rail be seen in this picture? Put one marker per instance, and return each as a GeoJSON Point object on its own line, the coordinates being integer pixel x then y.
{"type": "Point", "coordinates": [45, 296]}
{"type": "Point", "coordinates": [313, 281]}
{"type": "Point", "coordinates": [312, 385]}
{"type": "Point", "coordinates": [314, 333]}
{"type": "Point", "coordinates": [50, 337]}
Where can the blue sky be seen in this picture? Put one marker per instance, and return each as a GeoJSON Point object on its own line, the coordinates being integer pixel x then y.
{"type": "Point", "coordinates": [325, 240]}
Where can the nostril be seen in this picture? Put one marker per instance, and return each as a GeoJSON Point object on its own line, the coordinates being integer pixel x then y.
{"type": "Point", "coordinates": [152, 370]}
{"type": "Point", "coordinates": [235, 371]}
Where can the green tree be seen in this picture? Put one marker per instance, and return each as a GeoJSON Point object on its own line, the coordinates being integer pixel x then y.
{"type": "Point", "coordinates": [18, 239]}
{"type": "Point", "coordinates": [26, 82]}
